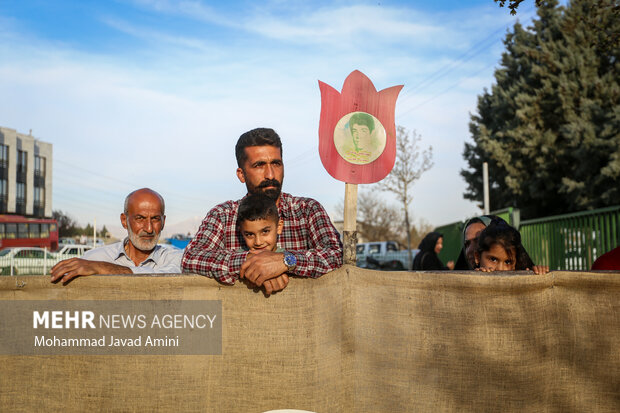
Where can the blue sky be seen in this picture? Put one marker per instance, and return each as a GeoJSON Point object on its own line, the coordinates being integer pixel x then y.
{"type": "Point", "coordinates": [155, 93]}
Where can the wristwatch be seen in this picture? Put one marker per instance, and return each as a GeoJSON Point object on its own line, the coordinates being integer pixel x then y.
{"type": "Point", "coordinates": [290, 260]}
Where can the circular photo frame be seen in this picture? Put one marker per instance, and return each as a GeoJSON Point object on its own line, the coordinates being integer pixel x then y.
{"type": "Point", "coordinates": [359, 138]}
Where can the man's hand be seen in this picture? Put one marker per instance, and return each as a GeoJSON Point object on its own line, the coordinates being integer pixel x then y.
{"type": "Point", "coordinates": [66, 270]}
{"type": "Point", "coordinates": [264, 266]}
{"type": "Point", "coordinates": [276, 284]}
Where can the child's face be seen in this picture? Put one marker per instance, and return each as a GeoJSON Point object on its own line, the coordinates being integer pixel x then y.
{"type": "Point", "coordinates": [497, 259]}
{"type": "Point", "coordinates": [261, 234]}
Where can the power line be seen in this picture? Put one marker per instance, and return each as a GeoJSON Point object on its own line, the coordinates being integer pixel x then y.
{"type": "Point", "coordinates": [128, 184]}
{"type": "Point", "coordinates": [445, 90]}
{"type": "Point", "coordinates": [478, 48]}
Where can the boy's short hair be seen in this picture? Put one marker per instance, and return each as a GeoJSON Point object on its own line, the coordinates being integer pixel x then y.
{"type": "Point", "coordinates": [257, 206]}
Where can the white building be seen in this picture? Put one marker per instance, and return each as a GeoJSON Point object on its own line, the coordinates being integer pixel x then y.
{"type": "Point", "coordinates": [25, 175]}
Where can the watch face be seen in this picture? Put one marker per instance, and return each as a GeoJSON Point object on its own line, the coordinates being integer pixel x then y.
{"type": "Point", "coordinates": [289, 259]}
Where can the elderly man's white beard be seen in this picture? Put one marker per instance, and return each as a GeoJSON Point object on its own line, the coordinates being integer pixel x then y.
{"type": "Point", "coordinates": [139, 243]}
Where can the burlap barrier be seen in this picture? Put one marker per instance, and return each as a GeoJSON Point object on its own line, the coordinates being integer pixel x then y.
{"type": "Point", "coordinates": [352, 341]}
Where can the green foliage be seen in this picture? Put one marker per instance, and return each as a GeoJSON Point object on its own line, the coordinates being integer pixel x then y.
{"type": "Point", "coordinates": [514, 4]}
{"type": "Point", "coordinates": [550, 127]}
{"type": "Point", "coordinates": [68, 227]}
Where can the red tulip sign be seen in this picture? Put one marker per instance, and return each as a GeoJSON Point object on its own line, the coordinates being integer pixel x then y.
{"type": "Point", "coordinates": [357, 134]}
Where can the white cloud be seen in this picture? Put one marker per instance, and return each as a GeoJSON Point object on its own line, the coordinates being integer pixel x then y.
{"type": "Point", "coordinates": [168, 116]}
{"type": "Point", "coordinates": [187, 8]}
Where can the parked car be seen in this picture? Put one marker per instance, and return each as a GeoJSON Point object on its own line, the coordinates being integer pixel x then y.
{"type": "Point", "coordinates": [387, 255]}
{"type": "Point", "coordinates": [72, 251]}
{"type": "Point", "coordinates": [66, 241]}
{"type": "Point", "coordinates": [26, 260]}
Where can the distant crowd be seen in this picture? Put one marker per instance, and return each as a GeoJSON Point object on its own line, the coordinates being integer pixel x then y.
{"type": "Point", "coordinates": [270, 235]}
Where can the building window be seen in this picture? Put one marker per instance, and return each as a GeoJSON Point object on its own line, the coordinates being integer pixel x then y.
{"type": "Point", "coordinates": [4, 156]}
{"type": "Point", "coordinates": [39, 186]}
{"type": "Point", "coordinates": [3, 195]}
{"type": "Point", "coordinates": [22, 160]}
{"type": "Point", "coordinates": [39, 171]}
{"type": "Point", "coordinates": [39, 165]}
{"type": "Point", "coordinates": [33, 230]}
{"type": "Point", "coordinates": [21, 191]}
{"type": "Point", "coordinates": [22, 164]}
{"type": "Point", "coordinates": [22, 230]}
{"type": "Point", "coordinates": [39, 201]}
{"type": "Point", "coordinates": [11, 231]}
{"type": "Point", "coordinates": [20, 198]}
{"type": "Point", "coordinates": [4, 176]}
{"type": "Point", "coordinates": [39, 196]}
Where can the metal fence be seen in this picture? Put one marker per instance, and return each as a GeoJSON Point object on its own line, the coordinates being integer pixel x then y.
{"type": "Point", "coordinates": [572, 241]}
{"type": "Point", "coordinates": [31, 262]}
{"type": "Point", "coordinates": [563, 242]}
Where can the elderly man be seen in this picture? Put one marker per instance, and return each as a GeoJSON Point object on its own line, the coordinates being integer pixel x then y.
{"type": "Point", "coordinates": [311, 244]}
{"type": "Point", "coordinates": [144, 219]}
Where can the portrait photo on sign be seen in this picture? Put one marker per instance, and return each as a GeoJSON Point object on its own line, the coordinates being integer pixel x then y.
{"type": "Point", "coordinates": [359, 138]}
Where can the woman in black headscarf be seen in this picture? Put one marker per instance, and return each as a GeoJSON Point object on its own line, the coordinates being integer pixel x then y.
{"type": "Point", "coordinates": [426, 259]}
{"type": "Point", "coordinates": [471, 230]}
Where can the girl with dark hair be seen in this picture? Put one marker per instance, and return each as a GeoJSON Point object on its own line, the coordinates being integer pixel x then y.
{"type": "Point", "coordinates": [500, 249]}
{"type": "Point", "coordinates": [472, 228]}
{"type": "Point", "coordinates": [426, 259]}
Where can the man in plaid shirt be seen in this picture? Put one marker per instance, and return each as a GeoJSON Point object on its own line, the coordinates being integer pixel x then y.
{"type": "Point", "coordinates": [311, 243]}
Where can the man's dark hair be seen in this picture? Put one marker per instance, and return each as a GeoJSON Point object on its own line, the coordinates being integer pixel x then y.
{"type": "Point", "coordinates": [256, 137]}
{"type": "Point", "coordinates": [362, 118]}
{"type": "Point", "coordinates": [257, 206]}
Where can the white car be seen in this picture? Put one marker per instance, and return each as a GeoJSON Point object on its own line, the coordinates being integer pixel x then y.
{"type": "Point", "coordinates": [26, 260]}
{"type": "Point", "coordinates": [71, 251]}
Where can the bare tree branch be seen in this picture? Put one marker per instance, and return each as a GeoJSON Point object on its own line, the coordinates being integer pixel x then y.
{"type": "Point", "coordinates": [410, 164]}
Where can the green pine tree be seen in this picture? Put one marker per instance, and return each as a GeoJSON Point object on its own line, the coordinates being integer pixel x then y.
{"type": "Point", "coordinates": [550, 127]}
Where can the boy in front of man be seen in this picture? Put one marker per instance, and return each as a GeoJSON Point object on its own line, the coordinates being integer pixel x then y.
{"type": "Point", "coordinates": [259, 223]}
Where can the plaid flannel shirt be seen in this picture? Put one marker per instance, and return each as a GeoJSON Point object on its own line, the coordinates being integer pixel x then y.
{"type": "Point", "coordinates": [308, 234]}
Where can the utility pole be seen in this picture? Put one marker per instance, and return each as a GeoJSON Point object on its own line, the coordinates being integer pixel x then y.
{"type": "Point", "coordinates": [485, 184]}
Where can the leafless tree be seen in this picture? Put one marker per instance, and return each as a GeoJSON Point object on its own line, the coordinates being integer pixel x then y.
{"type": "Point", "coordinates": [378, 221]}
{"type": "Point", "coordinates": [411, 163]}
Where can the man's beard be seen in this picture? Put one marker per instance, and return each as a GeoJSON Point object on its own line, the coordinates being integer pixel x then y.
{"type": "Point", "coordinates": [142, 244]}
{"type": "Point", "coordinates": [273, 193]}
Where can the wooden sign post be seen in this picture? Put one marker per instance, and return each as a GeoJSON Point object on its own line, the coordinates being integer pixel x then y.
{"type": "Point", "coordinates": [349, 237]}
{"type": "Point", "coordinates": [357, 141]}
